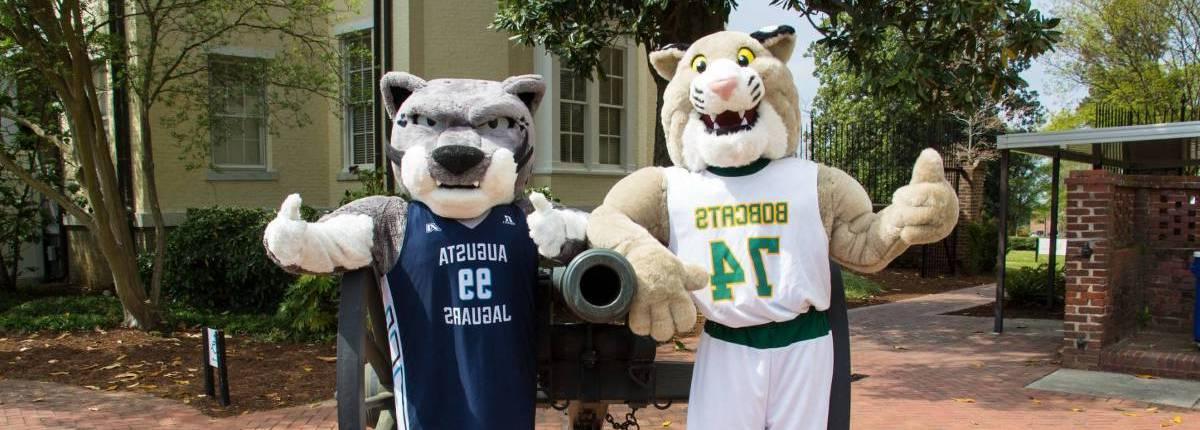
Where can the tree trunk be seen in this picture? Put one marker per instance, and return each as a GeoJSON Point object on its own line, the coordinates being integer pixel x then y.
{"type": "Point", "coordinates": [151, 184]}
{"type": "Point", "coordinates": [683, 21]}
{"type": "Point", "coordinates": [7, 283]}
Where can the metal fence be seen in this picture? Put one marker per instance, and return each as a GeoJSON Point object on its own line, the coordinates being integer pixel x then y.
{"type": "Point", "coordinates": [880, 155]}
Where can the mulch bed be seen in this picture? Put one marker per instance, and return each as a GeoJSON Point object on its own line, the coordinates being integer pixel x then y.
{"type": "Point", "coordinates": [1014, 310]}
{"type": "Point", "coordinates": [262, 375]}
{"type": "Point", "coordinates": [900, 284]}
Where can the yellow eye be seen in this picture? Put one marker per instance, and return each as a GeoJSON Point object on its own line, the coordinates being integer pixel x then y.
{"type": "Point", "coordinates": [745, 56]}
{"type": "Point", "coordinates": [699, 63]}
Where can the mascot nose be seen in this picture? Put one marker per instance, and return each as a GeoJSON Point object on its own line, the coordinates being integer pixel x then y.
{"type": "Point", "coordinates": [457, 158]}
{"type": "Point", "coordinates": [723, 87]}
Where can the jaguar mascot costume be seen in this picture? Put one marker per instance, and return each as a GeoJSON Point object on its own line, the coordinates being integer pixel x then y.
{"type": "Point", "coordinates": [743, 229]}
{"type": "Point", "coordinates": [456, 264]}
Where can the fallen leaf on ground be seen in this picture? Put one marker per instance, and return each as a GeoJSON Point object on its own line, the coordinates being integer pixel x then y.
{"type": "Point", "coordinates": [111, 366]}
{"type": "Point", "coordinates": [1076, 409]}
{"type": "Point", "coordinates": [39, 400]}
{"type": "Point", "coordinates": [93, 409]}
{"type": "Point", "coordinates": [60, 337]}
{"type": "Point", "coordinates": [1131, 414]}
{"type": "Point", "coordinates": [1177, 419]}
{"type": "Point", "coordinates": [52, 361]}
{"type": "Point", "coordinates": [327, 359]}
{"type": "Point", "coordinates": [1152, 409]}
{"type": "Point", "coordinates": [59, 373]}
{"type": "Point", "coordinates": [899, 348]}
{"type": "Point", "coordinates": [1145, 376]}
{"type": "Point", "coordinates": [308, 368]}
{"type": "Point", "coordinates": [1035, 401]}
{"type": "Point", "coordinates": [666, 423]}
{"type": "Point", "coordinates": [91, 387]}
{"type": "Point", "coordinates": [964, 400]}
{"type": "Point", "coordinates": [121, 357]}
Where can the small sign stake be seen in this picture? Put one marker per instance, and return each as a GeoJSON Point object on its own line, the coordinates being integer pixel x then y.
{"type": "Point", "coordinates": [214, 356]}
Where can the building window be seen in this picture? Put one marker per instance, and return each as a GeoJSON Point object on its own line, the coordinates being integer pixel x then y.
{"type": "Point", "coordinates": [592, 113]}
{"type": "Point", "coordinates": [359, 115]}
{"type": "Point", "coordinates": [239, 116]}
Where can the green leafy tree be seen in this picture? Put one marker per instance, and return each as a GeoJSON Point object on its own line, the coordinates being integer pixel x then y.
{"type": "Point", "coordinates": [937, 42]}
{"type": "Point", "coordinates": [66, 43]}
{"type": "Point", "coordinates": [20, 203]}
{"type": "Point", "coordinates": [1131, 54]}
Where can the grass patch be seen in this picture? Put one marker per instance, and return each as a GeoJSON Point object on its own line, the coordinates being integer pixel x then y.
{"type": "Point", "coordinates": [23, 312]}
{"type": "Point", "coordinates": [1018, 259]}
{"type": "Point", "coordinates": [858, 287]}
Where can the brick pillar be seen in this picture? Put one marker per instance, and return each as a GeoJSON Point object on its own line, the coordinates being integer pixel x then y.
{"type": "Point", "coordinates": [1089, 214]}
{"type": "Point", "coordinates": [970, 203]}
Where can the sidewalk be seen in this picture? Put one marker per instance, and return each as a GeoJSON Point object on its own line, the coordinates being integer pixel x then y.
{"type": "Point", "coordinates": [923, 371]}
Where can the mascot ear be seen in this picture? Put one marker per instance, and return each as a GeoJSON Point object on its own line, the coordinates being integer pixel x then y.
{"type": "Point", "coordinates": [666, 59]}
{"type": "Point", "coordinates": [779, 39]}
{"type": "Point", "coordinates": [528, 88]}
{"type": "Point", "coordinates": [396, 87]}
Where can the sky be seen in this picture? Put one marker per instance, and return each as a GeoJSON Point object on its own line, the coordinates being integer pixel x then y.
{"type": "Point", "coordinates": [755, 14]}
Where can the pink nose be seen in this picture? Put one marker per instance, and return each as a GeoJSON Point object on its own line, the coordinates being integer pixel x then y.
{"type": "Point", "coordinates": [723, 87]}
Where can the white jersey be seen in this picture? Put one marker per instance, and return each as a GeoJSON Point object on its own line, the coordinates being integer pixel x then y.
{"type": "Point", "coordinates": [758, 231]}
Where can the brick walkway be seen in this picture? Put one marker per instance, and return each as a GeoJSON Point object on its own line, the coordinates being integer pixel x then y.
{"type": "Point", "coordinates": [924, 371]}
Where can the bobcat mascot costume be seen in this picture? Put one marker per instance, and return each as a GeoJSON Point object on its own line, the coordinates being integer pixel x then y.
{"type": "Point", "coordinates": [456, 264]}
{"type": "Point", "coordinates": [748, 229]}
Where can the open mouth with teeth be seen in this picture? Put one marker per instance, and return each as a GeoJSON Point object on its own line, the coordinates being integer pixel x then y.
{"type": "Point", "coordinates": [471, 186]}
{"type": "Point", "coordinates": [730, 121]}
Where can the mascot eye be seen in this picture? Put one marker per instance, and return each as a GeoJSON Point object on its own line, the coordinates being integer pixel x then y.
{"type": "Point", "coordinates": [745, 56]}
{"type": "Point", "coordinates": [493, 123]}
{"type": "Point", "coordinates": [699, 63]}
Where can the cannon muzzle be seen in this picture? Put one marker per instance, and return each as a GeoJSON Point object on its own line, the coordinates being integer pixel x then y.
{"type": "Point", "coordinates": [597, 285]}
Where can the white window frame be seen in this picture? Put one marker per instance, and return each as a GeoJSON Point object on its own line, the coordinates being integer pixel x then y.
{"type": "Point", "coordinates": [347, 129]}
{"type": "Point", "coordinates": [548, 125]}
{"type": "Point", "coordinates": [265, 137]}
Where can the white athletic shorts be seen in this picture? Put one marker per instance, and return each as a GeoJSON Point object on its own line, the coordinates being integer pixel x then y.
{"type": "Point", "coordinates": [741, 387]}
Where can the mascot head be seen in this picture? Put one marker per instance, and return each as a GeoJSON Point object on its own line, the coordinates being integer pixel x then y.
{"type": "Point", "coordinates": [462, 146]}
{"type": "Point", "coordinates": [731, 99]}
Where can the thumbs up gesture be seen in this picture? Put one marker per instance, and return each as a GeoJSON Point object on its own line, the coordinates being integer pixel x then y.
{"type": "Point", "coordinates": [925, 210]}
{"type": "Point", "coordinates": [284, 236]}
{"type": "Point", "coordinates": [551, 228]}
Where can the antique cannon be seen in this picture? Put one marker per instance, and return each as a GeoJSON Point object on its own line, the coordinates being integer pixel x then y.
{"type": "Point", "coordinates": [587, 358]}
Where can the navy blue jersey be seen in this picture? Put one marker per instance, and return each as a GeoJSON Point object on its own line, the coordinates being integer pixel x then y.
{"type": "Point", "coordinates": [460, 309]}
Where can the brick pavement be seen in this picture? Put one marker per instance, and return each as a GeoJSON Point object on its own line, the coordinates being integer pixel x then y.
{"type": "Point", "coordinates": [924, 371]}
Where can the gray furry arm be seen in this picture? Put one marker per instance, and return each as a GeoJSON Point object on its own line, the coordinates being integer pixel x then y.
{"type": "Point", "coordinates": [368, 231]}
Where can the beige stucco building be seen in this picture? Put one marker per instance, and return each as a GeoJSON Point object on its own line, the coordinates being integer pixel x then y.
{"type": "Point", "coordinates": [590, 133]}
{"type": "Point", "coordinates": [578, 156]}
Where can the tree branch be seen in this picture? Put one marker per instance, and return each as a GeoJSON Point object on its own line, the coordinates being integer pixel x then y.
{"type": "Point", "coordinates": [46, 190]}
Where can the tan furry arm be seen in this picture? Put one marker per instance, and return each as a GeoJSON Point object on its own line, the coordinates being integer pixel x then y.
{"type": "Point", "coordinates": [634, 210]}
{"type": "Point", "coordinates": [924, 211]}
{"type": "Point", "coordinates": [633, 221]}
{"type": "Point", "coordinates": [857, 238]}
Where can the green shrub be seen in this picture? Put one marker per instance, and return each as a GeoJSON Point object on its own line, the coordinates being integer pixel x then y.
{"type": "Point", "coordinates": [215, 261]}
{"type": "Point", "coordinates": [258, 325]}
{"type": "Point", "coordinates": [24, 313]}
{"type": "Point", "coordinates": [1022, 243]}
{"type": "Point", "coordinates": [374, 183]}
{"type": "Point", "coordinates": [858, 287]}
{"type": "Point", "coordinates": [981, 246]}
{"type": "Point", "coordinates": [309, 310]}
{"type": "Point", "coordinates": [1027, 285]}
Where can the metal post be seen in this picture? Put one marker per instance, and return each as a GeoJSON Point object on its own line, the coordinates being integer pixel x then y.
{"type": "Point", "coordinates": [1002, 230]}
{"type": "Point", "coordinates": [385, 32]}
{"type": "Point", "coordinates": [1053, 253]}
{"type": "Point", "coordinates": [351, 341]}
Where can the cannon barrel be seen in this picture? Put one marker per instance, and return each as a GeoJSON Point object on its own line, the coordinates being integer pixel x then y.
{"type": "Point", "coordinates": [597, 285]}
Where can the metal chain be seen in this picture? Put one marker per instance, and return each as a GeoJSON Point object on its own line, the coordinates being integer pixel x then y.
{"type": "Point", "coordinates": [630, 422]}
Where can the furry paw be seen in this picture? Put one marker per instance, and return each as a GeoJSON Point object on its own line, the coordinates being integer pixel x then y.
{"type": "Point", "coordinates": [551, 228]}
{"type": "Point", "coordinates": [662, 305]}
{"type": "Point", "coordinates": [927, 208]}
{"type": "Point", "coordinates": [284, 235]}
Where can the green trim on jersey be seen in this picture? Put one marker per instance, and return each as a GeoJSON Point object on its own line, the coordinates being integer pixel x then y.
{"type": "Point", "coordinates": [806, 326]}
{"type": "Point", "coordinates": [746, 170]}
